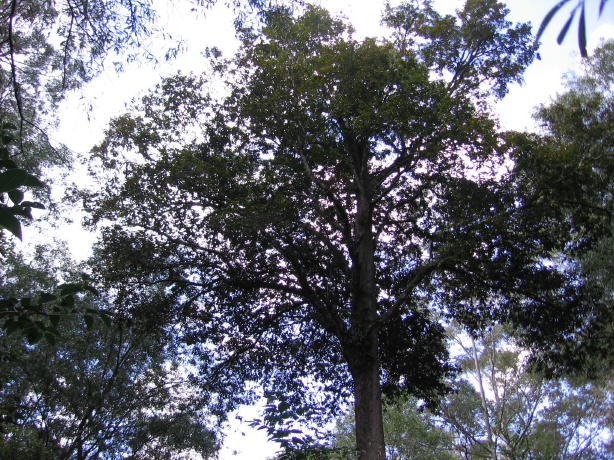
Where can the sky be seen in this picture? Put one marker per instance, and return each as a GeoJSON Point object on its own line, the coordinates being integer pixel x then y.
{"type": "Point", "coordinates": [85, 114]}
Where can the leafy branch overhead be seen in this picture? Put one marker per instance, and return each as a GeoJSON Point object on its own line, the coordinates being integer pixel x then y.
{"type": "Point", "coordinates": [38, 317]}
{"type": "Point", "coordinates": [12, 182]}
{"type": "Point", "coordinates": [578, 9]}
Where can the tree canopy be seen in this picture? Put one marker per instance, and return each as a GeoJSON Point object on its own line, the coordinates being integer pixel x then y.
{"type": "Point", "coordinates": [313, 226]}
{"type": "Point", "coordinates": [567, 173]}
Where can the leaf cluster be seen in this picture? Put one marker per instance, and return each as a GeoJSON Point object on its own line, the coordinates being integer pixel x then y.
{"type": "Point", "coordinates": [12, 182]}
{"type": "Point", "coordinates": [579, 9]}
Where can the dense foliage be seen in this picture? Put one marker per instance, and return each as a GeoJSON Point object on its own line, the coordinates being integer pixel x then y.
{"type": "Point", "coordinates": [313, 228]}
{"type": "Point", "coordinates": [566, 174]}
{"type": "Point", "coordinates": [100, 391]}
{"type": "Point", "coordinates": [306, 226]}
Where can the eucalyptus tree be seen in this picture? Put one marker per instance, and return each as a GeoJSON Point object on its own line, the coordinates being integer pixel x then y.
{"type": "Point", "coordinates": [502, 409]}
{"type": "Point", "coordinates": [499, 409]}
{"type": "Point", "coordinates": [49, 48]}
{"type": "Point", "coordinates": [306, 225]}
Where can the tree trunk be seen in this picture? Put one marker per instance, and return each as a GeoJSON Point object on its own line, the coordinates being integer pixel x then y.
{"type": "Point", "coordinates": [492, 446]}
{"type": "Point", "coordinates": [363, 353]}
{"type": "Point", "coordinates": [368, 403]}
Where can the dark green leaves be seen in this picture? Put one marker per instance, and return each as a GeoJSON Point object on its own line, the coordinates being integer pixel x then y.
{"type": "Point", "coordinates": [549, 17]}
{"type": "Point", "coordinates": [566, 177]}
{"type": "Point", "coordinates": [16, 196]}
{"type": "Point", "coordinates": [582, 33]}
{"type": "Point", "coordinates": [12, 179]}
{"type": "Point", "coordinates": [328, 200]}
{"type": "Point", "coordinates": [9, 222]}
{"type": "Point", "coordinates": [38, 316]}
{"type": "Point", "coordinates": [581, 23]}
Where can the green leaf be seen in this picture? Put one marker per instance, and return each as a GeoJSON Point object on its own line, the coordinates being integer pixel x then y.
{"type": "Point", "coordinates": [33, 204]}
{"type": "Point", "coordinates": [565, 28]}
{"type": "Point", "coordinates": [54, 320]}
{"type": "Point", "coordinates": [9, 222]}
{"type": "Point", "coordinates": [7, 138]}
{"type": "Point", "coordinates": [50, 338]}
{"type": "Point", "coordinates": [8, 126]}
{"type": "Point", "coordinates": [16, 196]}
{"type": "Point", "coordinates": [9, 164]}
{"type": "Point", "coordinates": [21, 211]}
{"type": "Point", "coordinates": [14, 178]}
{"type": "Point", "coordinates": [45, 297]}
{"type": "Point", "coordinates": [549, 17]}
{"type": "Point", "coordinates": [70, 288]}
{"type": "Point", "coordinates": [33, 335]}
{"type": "Point", "coordinates": [582, 34]}
{"type": "Point", "coordinates": [90, 289]}
{"type": "Point", "coordinates": [89, 321]}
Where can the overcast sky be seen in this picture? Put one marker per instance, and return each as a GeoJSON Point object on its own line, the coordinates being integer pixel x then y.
{"type": "Point", "coordinates": [82, 128]}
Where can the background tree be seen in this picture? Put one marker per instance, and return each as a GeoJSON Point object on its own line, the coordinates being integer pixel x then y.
{"type": "Point", "coordinates": [503, 410]}
{"type": "Point", "coordinates": [410, 433]}
{"type": "Point", "coordinates": [318, 213]}
{"type": "Point", "coordinates": [566, 173]}
{"type": "Point", "coordinates": [499, 409]}
{"type": "Point", "coordinates": [50, 48]}
{"type": "Point", "coordinates": [101, 391]}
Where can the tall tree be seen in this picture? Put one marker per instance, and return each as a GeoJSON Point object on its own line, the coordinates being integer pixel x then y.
{"type": "Point", "coordinates": [306, 225]}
